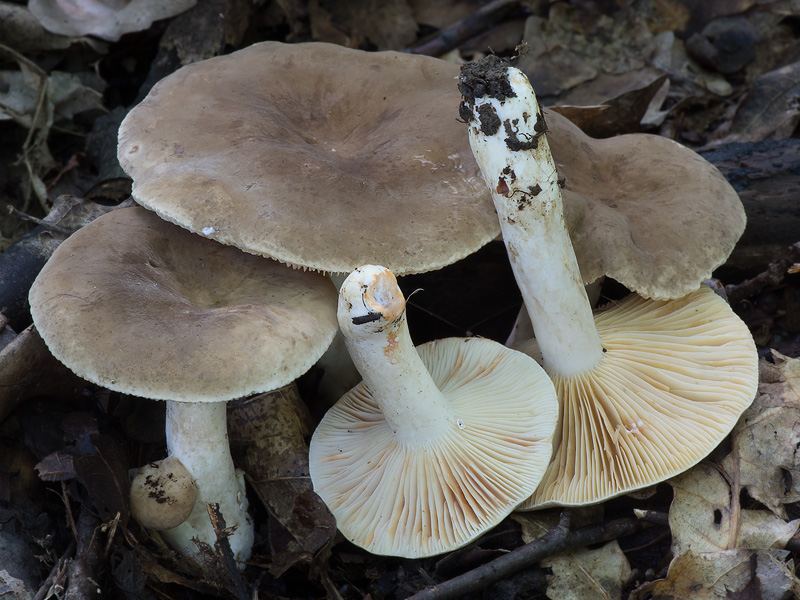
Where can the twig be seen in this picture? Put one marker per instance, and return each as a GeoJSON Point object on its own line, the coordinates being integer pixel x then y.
{"type": "Point", "coordinates": [774, 275]}
{"type": "Point", "coordinates": [82, 570]}
{"type": "Point", "coordinates": [223, 550]}
{"type": "Point", "coordinates": [558, 539]}
{"type": "Point", "coordinates": [652, 516]}
{"type": "Point", "coordinates": [58, 572]}
{"type": "Point", "coordinates": [456, 34]}
{"type": "Point", "coordinates": [49, 226]}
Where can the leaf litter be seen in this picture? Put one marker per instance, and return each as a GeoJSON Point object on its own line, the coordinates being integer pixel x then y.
{"type": "Point", "coordinates": [705, 74]}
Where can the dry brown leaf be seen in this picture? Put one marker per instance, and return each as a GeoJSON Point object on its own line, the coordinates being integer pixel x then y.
{"type": "Point", "coordinates": [27, 368]}
{"type": "Point", "coordinates": [770, 111]}
{"type": "Point", "coordinates": [583, 573]}
{"type": "Point", "coordinates": [573, 46]}
{"type": "Point", "coordinates": [701, 514]}
{"type": "Point", "coordinates": [267, 437]}
{"type": "Point", "coordinates": [732, 574]}
{"type": "Point", "coordinates": [616, 116]}
{"type": "Point", "coordinates": [768, 435]}
{"type": "Point", "coordinates": [105, 19]}
{"type": "Point", "coordinates": [370, 24]}
{"type": "Point", "coordinates": [691, 15]}
{"type": "Point", "coordinates": [20, 30]}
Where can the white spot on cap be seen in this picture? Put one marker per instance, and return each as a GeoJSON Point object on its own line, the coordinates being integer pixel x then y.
{"type": "Point", "coordinates": [208, 230]}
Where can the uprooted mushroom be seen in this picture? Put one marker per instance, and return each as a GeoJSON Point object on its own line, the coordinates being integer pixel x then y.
{"type": "Point", "coordinates": [438, 443]}
{"type": "Point", "coordinates": [143, 307]}
{"type": "Point", "coordinates": [646, 388]}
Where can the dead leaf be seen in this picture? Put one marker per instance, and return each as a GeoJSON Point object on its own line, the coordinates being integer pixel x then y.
{"type": "Point", "coordinates": [20, 30]}
{"type": "Point", "coordinates": [771, 110]}
{"type": "Point", "coordinates": [56, 467]}
{"type": "Point", "coordinates": [103, 471]}
{"type": "Point", "coordinates": [105, 19]}
{"type": "Point", "coordinates": [28, 368]}
{"type": "Point", "coordinates": [66, 93]}
{"type": "Point", "coordinates": [370, 24]}
{"type": "Point", "coordinates": [583, 573]}
{"type": "Point", "coordinates": [267, 437]}
{"type": "Point", "coordinates": [701, 517]}
{"type": "Point", "coordinates": [689, 15]}
{"type": "Point", "coordinates": [616, 116]}
{"type": "Point", "coordinates": [730, 574]}
{"type": "Point", "coordinates": [768, 437]}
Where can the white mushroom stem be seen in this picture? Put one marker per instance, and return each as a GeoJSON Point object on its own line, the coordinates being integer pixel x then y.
{"type": "Point", "coordinates": [508, 141]}
{"type": "Point", "coordinates": [372, 319]}
{"type": "Point", "coordinates": [197, 435]}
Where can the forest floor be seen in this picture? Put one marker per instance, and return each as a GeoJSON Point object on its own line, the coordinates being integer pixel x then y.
{"type": "Point", "coordinates": [720, 77]}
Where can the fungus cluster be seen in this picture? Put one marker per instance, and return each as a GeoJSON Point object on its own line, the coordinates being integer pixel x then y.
{"type": "Point", "coordinates": [348, 170]}
{"type": "Point", "coordinates": [140, 306]}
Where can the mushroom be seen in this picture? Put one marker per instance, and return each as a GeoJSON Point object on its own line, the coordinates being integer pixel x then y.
{"type": "Point", "coordinates": [336, 150]}
{"type": "Point", "coordinates": [647, 388]}
{"type": "Point", "coordinates": [163, 494]}
{"type": "Point", "coordinates": [143, 307]}
{"type": "Point", "coordinates": [643, 209]}
{"type": "Point", "coordinates": [438, 443]}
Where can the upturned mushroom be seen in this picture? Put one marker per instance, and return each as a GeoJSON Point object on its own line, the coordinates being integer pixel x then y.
{"type": "Point", "coordinates": [140, 306]}
{"type": "Point", "coordinates": [438, 443]}
{"type": "Point", "coordinates": [647, 388]}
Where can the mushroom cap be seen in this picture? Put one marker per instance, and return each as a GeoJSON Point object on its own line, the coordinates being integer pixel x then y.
{"type": "Point", "coordinates": [673, 381]}
{"type": "Point", "coordinates": [313, 154]}
{"type": "Point", "coordinates": [140, 306]}
{"type": "Point", "coordinates": [414, 501]}
{"type": "Point", "coordinates": [163, 494]}
{"type": "Point", "coordinates": [643, 209]}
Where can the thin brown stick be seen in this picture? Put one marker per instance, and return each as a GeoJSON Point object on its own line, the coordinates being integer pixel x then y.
{"type": "Point", "coordinates": [774, 275]}
{"type": "Point", "coordinates": [558, 539]}
{"type": "Point", "coordinates": [459, 32]}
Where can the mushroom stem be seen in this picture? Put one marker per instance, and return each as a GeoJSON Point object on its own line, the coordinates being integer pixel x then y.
{"type": "Point", "coordinates": [507, 136]}
{"type": "Point", "coordinates": [197, 435]}
{"type": "Point", "coordinates": [372, 319]}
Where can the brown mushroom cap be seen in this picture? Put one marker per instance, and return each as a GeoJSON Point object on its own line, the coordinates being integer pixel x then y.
{"type": "Point", "coordinates": [420, 500]}
{"type": "Point", "coordinates": [313, 154]}
{"type": "Point", "coordinates": [644, 210]}
{"type": "Point", "coordinates": [673, 381]}
{"type": "Point", "coordinates": [163, 494]}
{"type": "Point", "coordinates": [140, 306]}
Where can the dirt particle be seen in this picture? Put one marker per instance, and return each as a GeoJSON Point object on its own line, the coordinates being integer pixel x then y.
{"type": "Point", "coordinates": [490, 122]}
{"type": "Point", "coordinates": [502, 187]}
{"type": "Point", "coordinates": [485, 77]}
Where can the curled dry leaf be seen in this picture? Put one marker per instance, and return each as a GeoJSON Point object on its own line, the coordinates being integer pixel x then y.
{"type": "Point", "coordinates": [20, 30]}
{"type": "Point", "coordinates": [267, 436]}
{"type": "Point", "coordinates": [106, 19]}
{"type": "Point", "coordinates": [735, 573]}
{"type": "Point", "coordinates": [768, 435]}
{"type": "Point", "coordinates": [702, 518]}
{"type": "Point", "coordinates": [770, 111]}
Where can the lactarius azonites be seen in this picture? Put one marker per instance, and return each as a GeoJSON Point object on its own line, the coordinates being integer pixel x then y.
{"type": "Point", "coordinates": [143, 307]}
{"type": "Point", "coordinates": [646, 388]}
{"type": "Point", "coordinates": [438, 443]}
